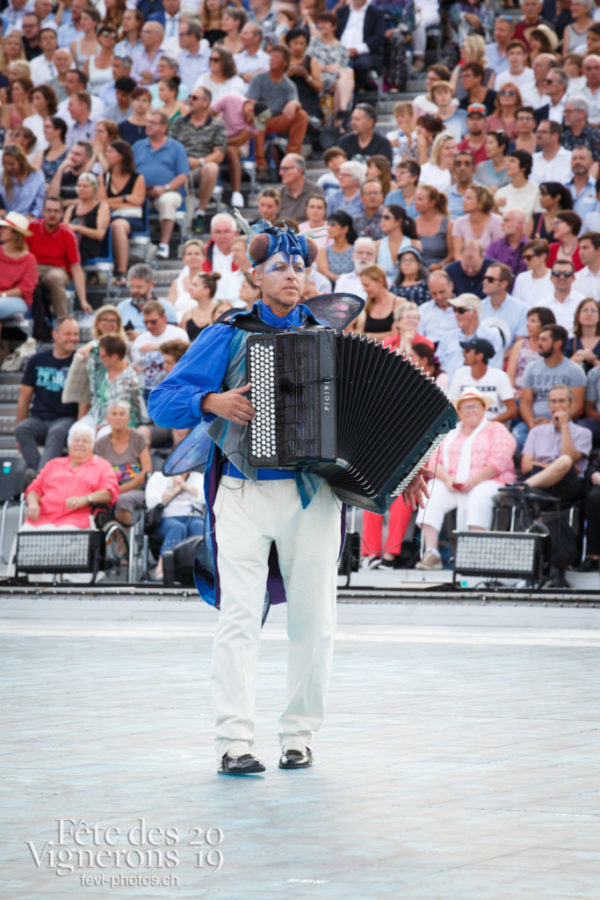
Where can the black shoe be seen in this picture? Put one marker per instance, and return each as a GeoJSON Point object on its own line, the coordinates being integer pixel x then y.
{"type": "Point", "coordinates": [296, 759]}
{"type": "Point", "coordinates": [30, 475]}
{"type": "Point", "coordinates": [240, 765]}
{"type": "Point", "coordinates": [262, 175]}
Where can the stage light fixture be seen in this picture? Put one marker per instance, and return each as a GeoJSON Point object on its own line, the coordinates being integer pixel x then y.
{"type": "Point", "coordinates": [502, 554]}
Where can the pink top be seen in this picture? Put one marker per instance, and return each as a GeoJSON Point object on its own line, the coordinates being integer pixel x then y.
{"type": "Point", "coordinates": [493, 446]}
{"type": "Point", "coordinates": [59, 480]}
{"type": "Point", "coordinates": [18, 272]}
{"type": "Point", "coordinates": [231, 109]}
{"type": "Point", "coordinates": [491, 232]}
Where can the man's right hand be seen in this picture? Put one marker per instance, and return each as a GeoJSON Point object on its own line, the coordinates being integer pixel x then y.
{"type": "Point", "coordinates": [230, 405]}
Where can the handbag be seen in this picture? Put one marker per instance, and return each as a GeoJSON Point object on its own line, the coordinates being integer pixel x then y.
{"type": "Point", "coordinates": [77, 383]}
{"type": "Point", "coordinates": [154, 517]}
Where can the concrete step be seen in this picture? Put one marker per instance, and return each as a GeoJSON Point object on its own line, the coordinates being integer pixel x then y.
{"type": "Point", "coordinates": [8, 424]}
{"type": "Point", "coordinates": [9, 393]}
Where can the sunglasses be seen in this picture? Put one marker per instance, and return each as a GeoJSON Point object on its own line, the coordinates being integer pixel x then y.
{"type": "Point", "coordinates": [508, 93]}
{"type": "Point", "coordinates": [459, 310]}
{"type": "Point", "coordinates": [489, 278]}
{"type": "Point", "coordinates": [528, 256]}
{"type": "Point", "coordinates": [386, 216]}
{"type": "Point", "coordinates": [556, 274]}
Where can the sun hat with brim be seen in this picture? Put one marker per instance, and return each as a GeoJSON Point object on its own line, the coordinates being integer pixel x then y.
{"type": "Point", "coordinates": [547, 32]}
{"type": "Point", "coordinates": [17, 222]}
{"type": "Point", "coordinates": [471, 393]}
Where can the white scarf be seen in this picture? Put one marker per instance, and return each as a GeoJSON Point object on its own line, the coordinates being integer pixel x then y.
{"type": "Point", "coordinates": [464, 462]}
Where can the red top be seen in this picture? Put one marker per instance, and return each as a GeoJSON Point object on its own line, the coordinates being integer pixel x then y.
{"type": "Point", "coordinates": [56, 248]}
{"type": "Point", "coordinates": [20, 272]}
{"type": "Point", "coordinates": [479, 155]}
{"type": "Point", "coordinates": [59, 480]}
{"type": "Point", "coordinates": [552, 258]}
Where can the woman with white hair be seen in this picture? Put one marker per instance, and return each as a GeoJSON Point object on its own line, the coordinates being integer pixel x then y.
{"type": "Point", "coordinates": [127, 452]}
{"type": "Point", "coordinates": [63, 493]}
{"type": "Point", "coordinates": [347, 199]}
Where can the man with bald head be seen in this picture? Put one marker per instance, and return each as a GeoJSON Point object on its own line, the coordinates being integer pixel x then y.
{"type": "Point", "coordinates": [145, 65]}
{"type": "Point", "coordinates": [591, 90]}
{"type": "Point", "coordinates": [509, 249]}
{"type": "Point", "coordinates": [535, 95]}
{"type": "Point", "coordinates": [437, 314]}
{"type": "Point", "coordinates": [296, 187]}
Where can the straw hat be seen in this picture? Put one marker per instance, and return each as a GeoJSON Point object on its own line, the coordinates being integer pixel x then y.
{"type": "Point", "coordinates": [471, 393]}
{"type": "Point", "coordinates": [17, 222]}
{"type": "Point", "coordinates": [548, 33]}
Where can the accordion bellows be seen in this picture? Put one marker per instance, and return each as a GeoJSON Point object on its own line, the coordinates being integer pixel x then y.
{"type": "Point", "coordinates": [345, 408]}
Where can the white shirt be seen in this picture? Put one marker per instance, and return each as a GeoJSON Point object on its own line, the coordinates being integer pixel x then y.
{"type": "Point", "coordinates": [182, 504]}
{"type": "Point", "coordinates": [557, 113]}
{"type": "Point", "coordinates": [556, 169]}
{"type": "Point", "coordinates": [42, 70]}
{"type": "Point", "coordinates": [247, 63]}
{"type": "Point", "coordinates": [527, 288]}
{"type": "Point", "coordinates": [495, 384]}
{"type": "Point", "coordinates": [350, 283]}
{"type": "Point", "coordinates": [435, 322]}
{"type": "Point", "coordinates": [587, 283]}
{"type": "Point", "coordinates": [434, 176]}
{"type": "Point", "coordinates": [353, 32]}
{"type": "Point", "coordinates": [523, 81]}
{"type": "Point", "coordinates": [531, 96]}
{"type": "Point", "coordinates": [526, 198]}
{"type": "Point", "coordinates": [564, 312]}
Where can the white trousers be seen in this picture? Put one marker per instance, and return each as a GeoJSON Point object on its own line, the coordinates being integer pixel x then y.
{"type": "Point", "coordinates": [249, 517]}
{"type": "Point", "coordinates": [474, 509]}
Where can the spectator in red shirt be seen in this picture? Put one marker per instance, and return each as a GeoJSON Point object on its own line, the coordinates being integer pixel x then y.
{"type": "Point", "coordinates": [55, 248]}
{"type": "Point", "coordinates": [18, 272]}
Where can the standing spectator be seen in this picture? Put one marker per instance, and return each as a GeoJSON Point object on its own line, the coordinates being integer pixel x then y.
{"type": "Point", "coordinates": [18, 271]}
{"type": "Point", "coordinates": [42, 418]}
{"type": "Point", "coordinates": [587, 280]}
{"type": "Point", "coordinates": [23, 186]}
{"type": "Point", "coordinates": [204, 138]}
{"type": "Point", "coordinates": [296, 187]}
{"type": "Point", "coordinates": [498, 303]}
{"type": "Point", "coordinates": [279, 93]}
{"type": "Point", "coordinates": [551, 162]}
{"type": "Point", "coordinates": [466, 273]}
{"type": "Point", "coordinates": [489, 381]}
{"type": "Point", "coordinates": [536, 280]}
{"type": "Point", "coordinates": [141, 283]}
{"type": "Point", "coordinates": [145, 352]}
{"type": "Point", "coordinates": [164, 164]}
{"type": "Point", "coordinates": [55, 248]}
{"type": "Point", "coordinates": [509, 249]}
{"type": "Point", "coordinates": [368, 222]}
{"type": "Point", "coordinates": [364, 141]}
{"type": "Point", "coordinates": [361, 30]}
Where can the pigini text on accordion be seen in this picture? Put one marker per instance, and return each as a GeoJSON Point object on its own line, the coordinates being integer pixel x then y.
{"type": "Point", "coordinates": [346, 408]}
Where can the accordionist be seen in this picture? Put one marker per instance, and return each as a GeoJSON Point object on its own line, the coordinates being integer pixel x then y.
{"type": "Point", "coordinates": [274, 528]}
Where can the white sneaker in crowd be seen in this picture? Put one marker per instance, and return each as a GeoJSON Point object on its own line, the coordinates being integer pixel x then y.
{"type": "Point", "coordinates": [237, 200]}
{"type": "Point", "coordinates": [163, 251]}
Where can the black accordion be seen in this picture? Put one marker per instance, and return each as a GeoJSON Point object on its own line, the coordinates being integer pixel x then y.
{"type": "Point", "coordinates": [345, 408]}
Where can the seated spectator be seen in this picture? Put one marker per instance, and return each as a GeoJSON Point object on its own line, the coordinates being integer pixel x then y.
{"type": "Point", "coordinates": [411, 280]}
{"type": "Point", "coordinates": [473, 142]}
{"type": "Point", "coordinates": [467, 311]}
{"type": "Point", "coordinates": [437, 314]}
{"type": "Point", "coordinates": [219, 253]}
{"type": "Point", "coordinates": [336, 259]}
{"type": "Point", "coordinates": [145, 62]}
{"type": "Point", "coordinates": [333, 158]}
{"type": "Point", "coordinates": [364, 253]}
{"type": "Point", "coordinates": [222, 78]}
{"type": "Point", "coordinates": [584, 347]}
{"type": "Point", "coordinates": [399, 234]}
{"type": "Point", "coordinates": [18, 270]}
{"type": "Point", "coordinates": [164, 164]}
{"type": "Point", "coordinates": [377, 318]}
{"type": "Point", "coordinates": [437, 171]}
{"type": "Point", "coordinates": [42, 417]}
{"type": "Point", "coordinates": [83, 125]}
{"type": "Point", "coordinates": [476, 460]}
{"type": "Point", "coordinates": [509, 248]}
{"type": "Point", "coordinates": [58, 262]}
{"type": "Point", "coordinates": [347, 198]}
{"type": "Point", "coordinates": [537, 277]}
{"type": "Point", "coordinates": [364, 141]}
{"type": "Point", "coordinates": [238, 114]}
{"type": "Point", "coordinates": [23, 186]}
{"type": "Point", "coordinates": [554, 198]}
{"type": "Point", "coordinates": [475, 85]}
{"type": "Point", "coordinates": [591, 510]}
{"type": "Point", "coordinates": [492, 173]}
{"type": "Point", "coordinates": [19, 108]}
{"type": "Point", "coordinates": [495, 52]}
{"type": "Point", "coordinates": [141, 283]}
{"type": "Point", "coordinates": [504, 117]}
{"type": "Point", "coordinates": [526, 125]}
{"type": "Point", "coordinates": [64, 182]}
{"type": "Point", "coordinates": [526, 349]}
{"type": "Point", "coordinates": [61, 496]}
{"type": "Point", "coordinates": [127, 452]}
{"type": "Point", "coordinates": [564, 299]}
{"type": "Point", "coordinates": [87, 46]}
{"type": "Point", "coordinates": [423, 103]}
{"type": "Point", "coordinates": [498, 303]}
{"type": "Point", "coordinates": [423, 355]}
{"type": "Point", "coordinates": [251, 60]}
{"type": "Point", "coordinates": [124, 190]}
{"type": "Point", "coordinates": [577, 131]}
{"type": "Point", "coordinates": [434, 228]}
{"type": "Point", "coordinates": [361, 29]}
{"type": "Point", "coordinates": [582, 20]}
{"type": "Point", "coordinates": [453, 118]}
{"type": "Point", "coordinates": [194, 51]}
{"type": "Point", "coordinates": [133, 128]}
{"type": "Point", "coordinates": [542, 375]}
{"type": "Point", "coordinates": [333, 57]}
{"type": "Point", "coordinates": [405, 329]}
{"type": "Point", "coordinates": [179, 293]}
{"type": "Point", "coordinates": [479, 222]}
{"type": "Point", "coordinates": [146, 347]}
{"type": "Point", "coordinates": [279, 93]}
{"type": "Point", "coordinates": [467, 272]}
{"type": "Point", "coordinates": [87, 367]}
{"type": "Point", "coordinates": [566, 226]}
{"type": "Point", "coordinates": [89, 218]}
{"type": "Point", "coordinates": [49, 160]}
{"type": "Point", "coordinates": [121, 109]}
{"type": "Point", "coordinates": [203, 287]}
{"type": "Point", "coordinates": [518, 74]}
{"type": "Point", "coordinates": [183, 515]}
{"type": "Point", "coordinates": [269, 202]}
{"type": "Point", "coordinates": [489, 381]}
{"type": "Point", "coordinates": [521, 193]}
{"type": "Point", "coordinates": [586, 279]}
{"type": "Point", "coordinates": [296, 187]}
{"type": "Point", "coordinates": [403, 138]}
{"type": "Point", "coordinates": [555, 453]}
{"type": "Point", "coordinates": [463, 170]}
{"type": "Point", "coordinates": [114, 379]}
{"type": "Point", "coordinates": [315, 220]}
{"type": "Point", "coordinates": [98, 68]}
{"type": "Point", "coordinates": [551, 161]}
{"type": "Point", "coordinates": [249, 292]}
{"type": "Point", "coordinates": [305, 72]}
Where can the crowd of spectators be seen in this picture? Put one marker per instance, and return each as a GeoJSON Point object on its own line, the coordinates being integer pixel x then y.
{"type": "Point", "coordinates": [471, 227]}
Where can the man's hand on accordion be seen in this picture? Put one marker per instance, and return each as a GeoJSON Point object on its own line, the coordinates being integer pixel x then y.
{"type": "Point", "coordinates": [417, 493]}
{"type": "Point", "coordinates": [230, 405]}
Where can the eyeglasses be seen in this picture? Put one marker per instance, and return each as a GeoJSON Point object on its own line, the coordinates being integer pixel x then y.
{"type": "Point", "coordinates": [505, 93]}
{"type": "Point", "coordinates": [151, 321]}
{"type": "Point", "coordinates": [286, 168]}
{"type": "Point", "coordinates": [528, 256]}
{"type": "Point", "coordinates": [556, 274]}
{"type": "Point", "coordinates": [194, 97]}
{"type": "Point", "coordinates": [459, 310]}
{"type": "Point", "coordinates": [489, 278]}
